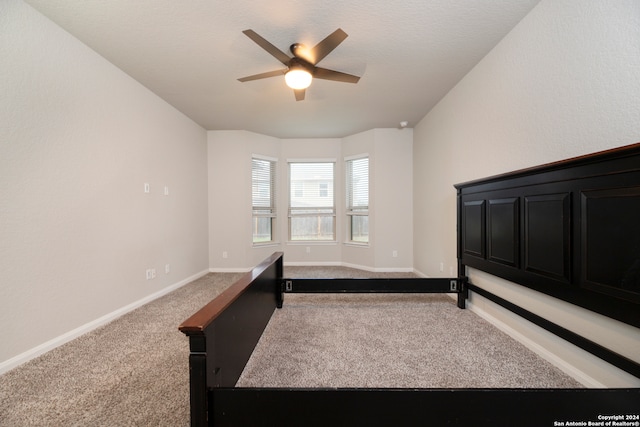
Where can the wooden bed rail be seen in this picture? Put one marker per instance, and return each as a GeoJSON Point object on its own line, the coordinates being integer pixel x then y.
{"type": "Point", "coordinates": [223, 334]}
{"type": "Point", "coordinates": [207, 314]}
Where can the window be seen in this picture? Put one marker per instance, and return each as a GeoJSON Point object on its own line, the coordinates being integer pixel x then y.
{"type": "Point", "coordinates": [323, 189]}
{"type": "Point", "coordinates": [263, 178]}
{"type": "Point", "coordinates": [312, 208]}
{"type": "Point", "coordinates": [357, 177]}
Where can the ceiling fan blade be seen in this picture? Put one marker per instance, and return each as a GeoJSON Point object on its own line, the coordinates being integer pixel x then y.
{"type": "Point", "coordinates": [264, 75]}
{"type": "Point", "coordinates": [263, 43]}
{"type": "Point", "coordinates": [325, 47]}
{"type": "Point", "coordinates": [299, 94]}
{"type": "Point", "coordinates": [325, 74]}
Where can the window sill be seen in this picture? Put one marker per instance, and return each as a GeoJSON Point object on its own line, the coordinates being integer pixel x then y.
{"type": "Point", "coordinates": [265, 244]}
{"type": "Point", "coordinates": [357, 244]}
{"type": "Point", "coordinates": [311, 242]}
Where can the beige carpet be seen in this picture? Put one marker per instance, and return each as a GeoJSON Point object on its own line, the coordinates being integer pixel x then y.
{"type": "Point", "coordinates": [130, 372]}
{"type": "Point", "coordinates": [390, 340]}
{"type": "Point", "coordinates": [134, 371]}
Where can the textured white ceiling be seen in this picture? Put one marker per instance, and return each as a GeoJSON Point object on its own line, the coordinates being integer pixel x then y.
{"type": "Point", "coordinates": [409, 53]}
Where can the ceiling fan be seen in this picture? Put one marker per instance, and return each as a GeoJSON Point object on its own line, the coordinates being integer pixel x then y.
{"type": "Point", "coordinates": [301, 69]}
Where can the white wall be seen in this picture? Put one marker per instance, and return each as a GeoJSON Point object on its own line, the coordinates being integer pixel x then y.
{"type": "Point", "coordinates": [229, 154]}
{"type": "Point", "coordinates": [392, 204]}
{"type": "Point", "coordinates": [78, 140]}
{"type": "Point", "coordinates": [563, 83]}
{"type": "Point", "coordinates": [391, 211]}
{"type": "Point", "coordinates": [230, 199]}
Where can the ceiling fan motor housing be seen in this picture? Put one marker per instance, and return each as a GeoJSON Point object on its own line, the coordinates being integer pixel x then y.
{"type": "Point", "coordinates": [299, 63]}
{"type": "Point", "coordinates": [297, 49]}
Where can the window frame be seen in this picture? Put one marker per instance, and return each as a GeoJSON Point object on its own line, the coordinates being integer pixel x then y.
{"type": "Point", "coordinates": [312, 211]}
{"type": "Point", "coordinates": [353, 210]}
{"type": "Point", "coordinates": [264, 211]}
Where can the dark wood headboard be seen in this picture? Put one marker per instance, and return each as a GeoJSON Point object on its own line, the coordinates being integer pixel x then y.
{"type": "Point", "coordinates": [569, 229]}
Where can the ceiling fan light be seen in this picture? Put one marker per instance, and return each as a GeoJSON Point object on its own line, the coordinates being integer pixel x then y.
{"type": "Point", "coordinates": [298, 78]}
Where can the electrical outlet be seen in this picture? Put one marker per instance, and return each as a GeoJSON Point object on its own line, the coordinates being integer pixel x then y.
{"type": "Point", "coordinates": [394, 254]}
{"type": "Point", "coordinates": [153, 273]}
{"type": "Point", "coordinates": [147, 187]}
{"type": "Point", "coordinates": [148, 274]}
{"type": "Point", "coordinates": [166, 190]}
{"type": "Point", "coordinates": [442, 266]}
{"type": "Point", "coordinates": [225, 255]}
{"type": "Point", "coordinates": [167, 268]}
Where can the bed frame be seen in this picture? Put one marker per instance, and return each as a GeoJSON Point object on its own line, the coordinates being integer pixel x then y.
{"type": "Point", "coordinates": [568, 229]}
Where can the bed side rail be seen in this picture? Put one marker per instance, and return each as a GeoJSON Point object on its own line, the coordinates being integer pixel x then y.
{"type": "Point", "coordinates": [223, 333]}
{"type": "Point", "coordinates": [455, 285]}
{"type": "Point", "coordinates": [375, 285]}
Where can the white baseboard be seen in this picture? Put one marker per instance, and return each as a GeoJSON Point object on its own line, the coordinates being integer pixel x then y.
{"type": "Point", "coordinates": [349, 265]}
{"type": "Point", "coordinates": [312, 264]}
{"type": "Point", "coordinates": [229, 270]}
{"type": "Point", "coordinates": [319, 264]}
{"type": "Point", "coordinates": [541, 351]}
{"type": "Point", "coordinates": [378, 270]}
{"type": "Point", "coordinates": [420, 274]}
{"type": "Point", "coordinates": [75, 333]}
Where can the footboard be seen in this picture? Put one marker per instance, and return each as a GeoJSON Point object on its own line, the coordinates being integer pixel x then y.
{"type": "Point", "coordinates": [223, 334]}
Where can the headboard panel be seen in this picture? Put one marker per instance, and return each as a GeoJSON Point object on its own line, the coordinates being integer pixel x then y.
{"type": "Point", "coordinates": [569, 229]}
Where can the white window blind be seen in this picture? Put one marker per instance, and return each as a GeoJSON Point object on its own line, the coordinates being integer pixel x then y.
{"type": "Point", "coordinates": [263, 177]}
{"type": "Point", "coordinates": [311, 201]}
{"type": "Point", "coordinates": [357, 177]}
